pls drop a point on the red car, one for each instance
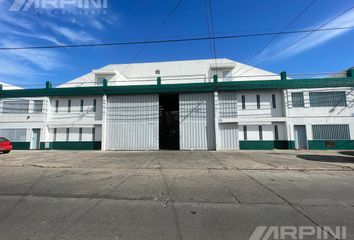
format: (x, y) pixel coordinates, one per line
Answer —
(5, 145)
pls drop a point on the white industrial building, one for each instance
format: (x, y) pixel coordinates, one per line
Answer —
(182, 105)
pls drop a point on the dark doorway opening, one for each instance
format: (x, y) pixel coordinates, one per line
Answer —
(169, 122)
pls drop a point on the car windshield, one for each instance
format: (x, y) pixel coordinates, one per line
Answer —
(2, 139)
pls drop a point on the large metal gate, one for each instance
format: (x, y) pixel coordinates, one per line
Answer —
(133, 122)
(197, 129)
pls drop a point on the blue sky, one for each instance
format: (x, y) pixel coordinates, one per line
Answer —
(126, 20)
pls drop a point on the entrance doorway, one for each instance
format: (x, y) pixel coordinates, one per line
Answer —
(169, 122)
(35, 141)
(300, 137)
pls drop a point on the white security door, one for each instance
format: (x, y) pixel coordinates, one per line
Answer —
(35, 141)
(133, 122)
(197, 129)
(300, 137)
(229, 136)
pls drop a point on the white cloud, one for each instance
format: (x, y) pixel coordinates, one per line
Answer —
(75, 36)
(25, 29)
(43, 59)
(314, 40)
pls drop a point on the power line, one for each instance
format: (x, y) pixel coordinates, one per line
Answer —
(276, 36)
(56, 38)
(208, 27)
(154, 34)
(174, 40)
(299, 40)
(210, 23)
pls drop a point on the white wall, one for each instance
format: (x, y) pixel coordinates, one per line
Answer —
(26, 121)
(266, 108)
(309, 116)
(268, 132)
(74, 134)
(75, 118)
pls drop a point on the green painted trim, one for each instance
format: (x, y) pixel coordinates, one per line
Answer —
(266, 145)
(181, 88)
(21, 145)
(338, 144)
(75, 145)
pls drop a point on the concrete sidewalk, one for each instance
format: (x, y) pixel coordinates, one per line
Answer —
(243, 160)
(172, 195)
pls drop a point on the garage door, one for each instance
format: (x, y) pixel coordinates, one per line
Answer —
(197, 121)
(133, 122)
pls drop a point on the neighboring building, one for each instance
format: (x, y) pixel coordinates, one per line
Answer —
(186, 105)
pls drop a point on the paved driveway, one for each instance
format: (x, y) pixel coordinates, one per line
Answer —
(172, 195)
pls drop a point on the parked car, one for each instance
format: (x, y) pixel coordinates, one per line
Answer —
(5, 145)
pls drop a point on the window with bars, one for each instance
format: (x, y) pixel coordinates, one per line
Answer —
(228, 105)
(14, 135)
(15, 106)
(38, 106)
(327, 99)
(297, 99)
(331, 132)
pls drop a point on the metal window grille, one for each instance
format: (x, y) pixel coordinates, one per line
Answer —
(331, 132)
(14, 135)
(327, 99)
(298, 99)
(228, 105)
(15, 106)
(38, 106)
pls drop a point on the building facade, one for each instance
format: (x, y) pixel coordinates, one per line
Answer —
(183, 105)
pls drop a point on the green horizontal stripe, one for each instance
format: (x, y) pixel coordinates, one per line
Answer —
(266, 145)
(331, 144)
(182, 88)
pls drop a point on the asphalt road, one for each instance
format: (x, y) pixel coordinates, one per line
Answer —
(172, 195)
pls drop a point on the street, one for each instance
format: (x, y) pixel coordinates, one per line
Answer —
(172, 195)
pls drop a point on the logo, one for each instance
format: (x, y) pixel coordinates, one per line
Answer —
(298, 233)
(69, 5)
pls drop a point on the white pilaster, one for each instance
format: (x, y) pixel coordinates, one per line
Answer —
(216, 121)
(104, 123)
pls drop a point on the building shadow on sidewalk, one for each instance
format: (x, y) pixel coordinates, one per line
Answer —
(329, 158)
(349, 153)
